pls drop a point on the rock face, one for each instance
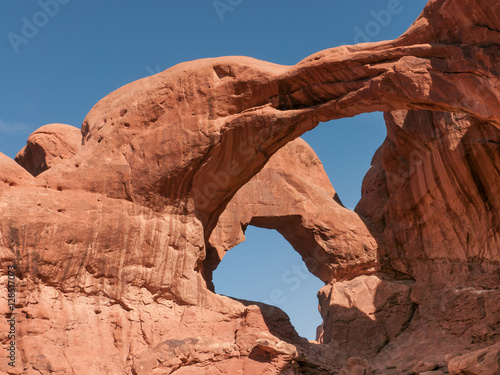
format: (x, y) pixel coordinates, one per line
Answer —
(12, 175)
(433, 194)
(113, 247)
(484, 361)
(47, 145)
(362, 315)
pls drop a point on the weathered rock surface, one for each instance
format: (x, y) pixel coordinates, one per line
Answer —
(432, 166)
(110, 246)
(47, 146)
(484, 361)
(11, 174)
(362, 315)
(354, 366)
(433, 193)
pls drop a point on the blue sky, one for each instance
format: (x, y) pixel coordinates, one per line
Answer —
(59, 57)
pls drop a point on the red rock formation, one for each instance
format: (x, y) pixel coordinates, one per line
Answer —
(47, 145)
(11, 173)
(293, 195)
(433, 194)
(110, 245)
(484, 361)
(362, 315)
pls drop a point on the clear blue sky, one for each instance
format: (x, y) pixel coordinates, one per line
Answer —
(58, 61)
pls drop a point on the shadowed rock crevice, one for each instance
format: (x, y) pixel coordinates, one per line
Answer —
(49, 145)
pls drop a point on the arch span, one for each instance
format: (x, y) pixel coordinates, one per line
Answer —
(293, 195)
(235, 112)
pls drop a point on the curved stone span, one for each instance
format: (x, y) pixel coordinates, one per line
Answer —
(293, 195)
(115, 236)
(247, 109)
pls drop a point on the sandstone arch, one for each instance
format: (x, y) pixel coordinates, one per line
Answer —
(293, 195)
(162, 157)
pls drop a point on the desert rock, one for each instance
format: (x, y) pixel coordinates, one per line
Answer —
(484, 361)
(47, 146)
(110, 244)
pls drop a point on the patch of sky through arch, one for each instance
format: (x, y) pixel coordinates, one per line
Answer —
(267, 269)
(346, 148)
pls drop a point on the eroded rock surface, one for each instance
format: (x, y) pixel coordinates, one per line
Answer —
(483, 361)
(433, 192)
(47, 146)
(362, 315)
(11, 174)
(110, 245)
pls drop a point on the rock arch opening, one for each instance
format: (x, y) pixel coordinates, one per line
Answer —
(293, 195)
(265, 268)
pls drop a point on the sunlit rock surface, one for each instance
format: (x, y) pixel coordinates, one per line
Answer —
(47, 145)
(110, 244)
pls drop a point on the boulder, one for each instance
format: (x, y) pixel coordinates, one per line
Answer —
(47, 146)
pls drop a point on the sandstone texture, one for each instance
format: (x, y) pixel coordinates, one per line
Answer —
(433, 194)
(361, 315)
(484, 361)
(113, 233)
(11, 174)
(47, 145)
